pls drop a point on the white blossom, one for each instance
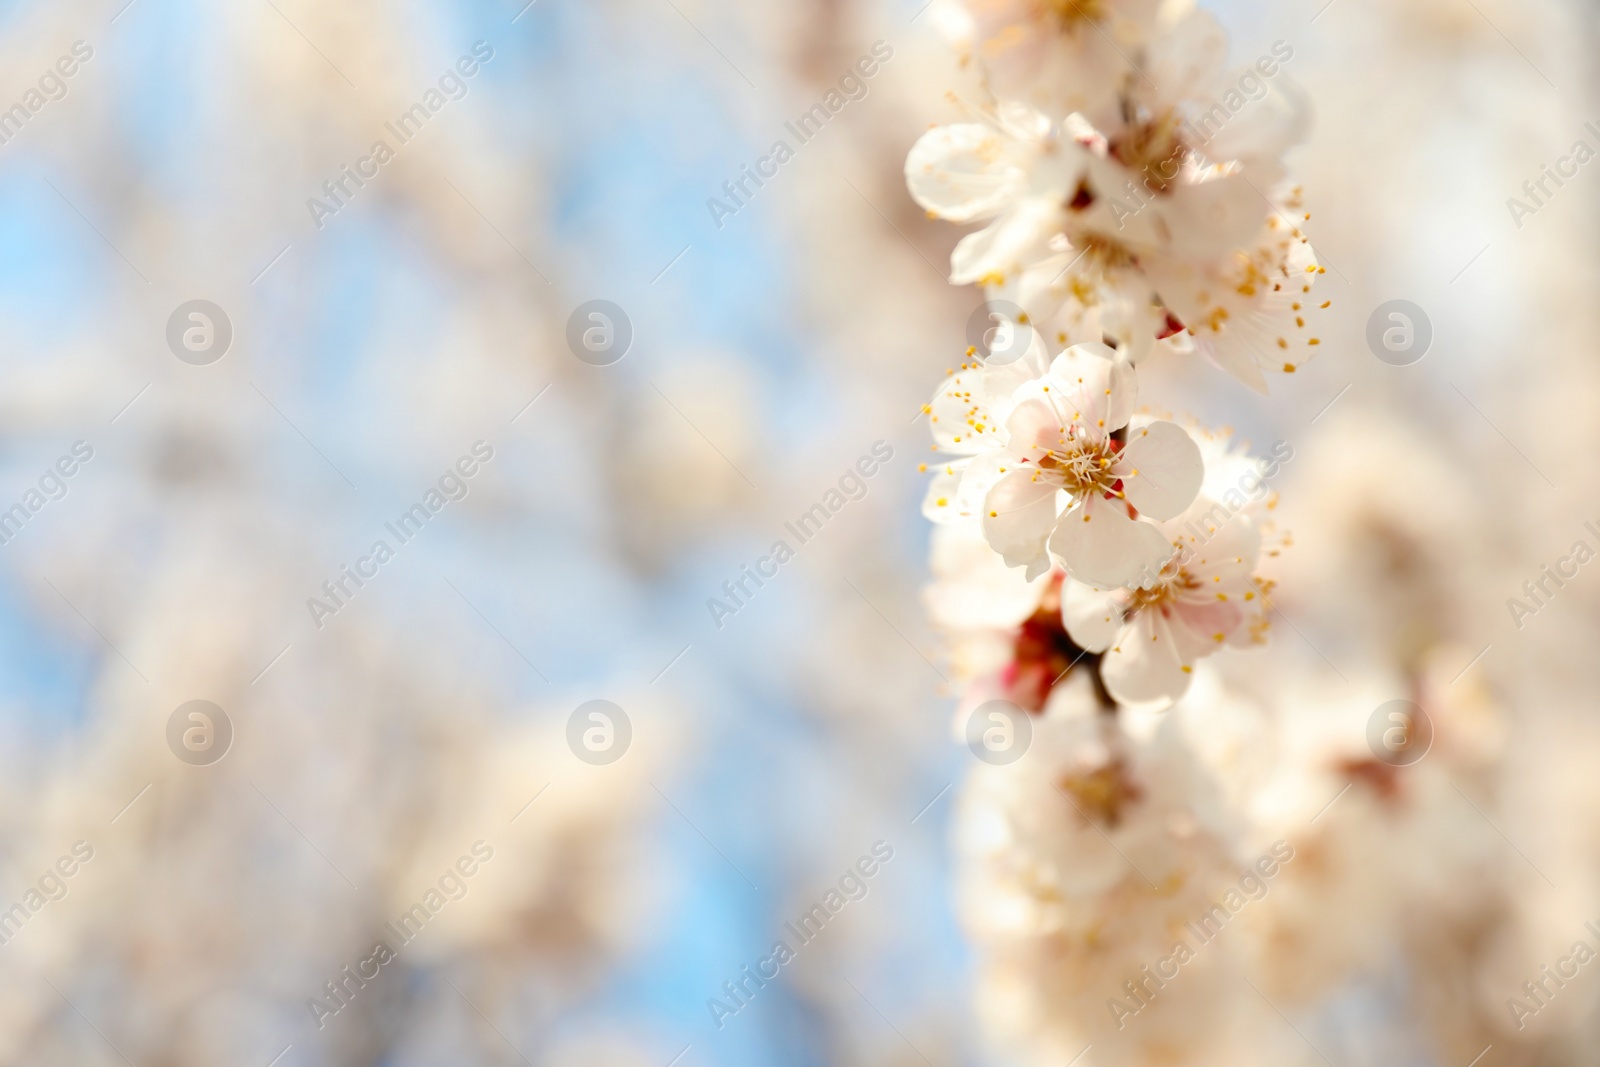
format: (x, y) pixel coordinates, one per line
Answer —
(1130, 233)
(1054, 480)
(1205, 597)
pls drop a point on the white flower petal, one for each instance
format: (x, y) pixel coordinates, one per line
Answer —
(1019, 237)
(1186, 62)
(1095, 387)
(1093, 617)
(1001, 380)
(1240, 360)
(965, 172)
(1161, 470)
(1262, 134)
(1038, 289)
(1058, 66)
(1034, 426)
(1146, 666)
(983, 472)
(1251, 310)
(1018, 514)
(959, 417)
(1201, 628)
(1100, 545)
(1208, 220)
(942, 502)
(1229, 555)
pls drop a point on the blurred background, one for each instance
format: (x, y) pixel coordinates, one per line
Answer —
(367, 340)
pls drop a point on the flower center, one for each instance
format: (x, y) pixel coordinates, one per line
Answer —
(1083, 465)
(1074, 13)
(1101, 252)
(1101, 794)
(1094, 255)
(1154, 151)
(1172, 581)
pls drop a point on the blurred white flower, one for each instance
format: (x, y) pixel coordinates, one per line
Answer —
(1128, 234)
(1060, 56)
(1189, 103)
(1081, 865)
(980, 603)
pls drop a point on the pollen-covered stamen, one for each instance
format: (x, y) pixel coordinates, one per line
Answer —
(1083, 464)
(1173, 581)
(1097, 255)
